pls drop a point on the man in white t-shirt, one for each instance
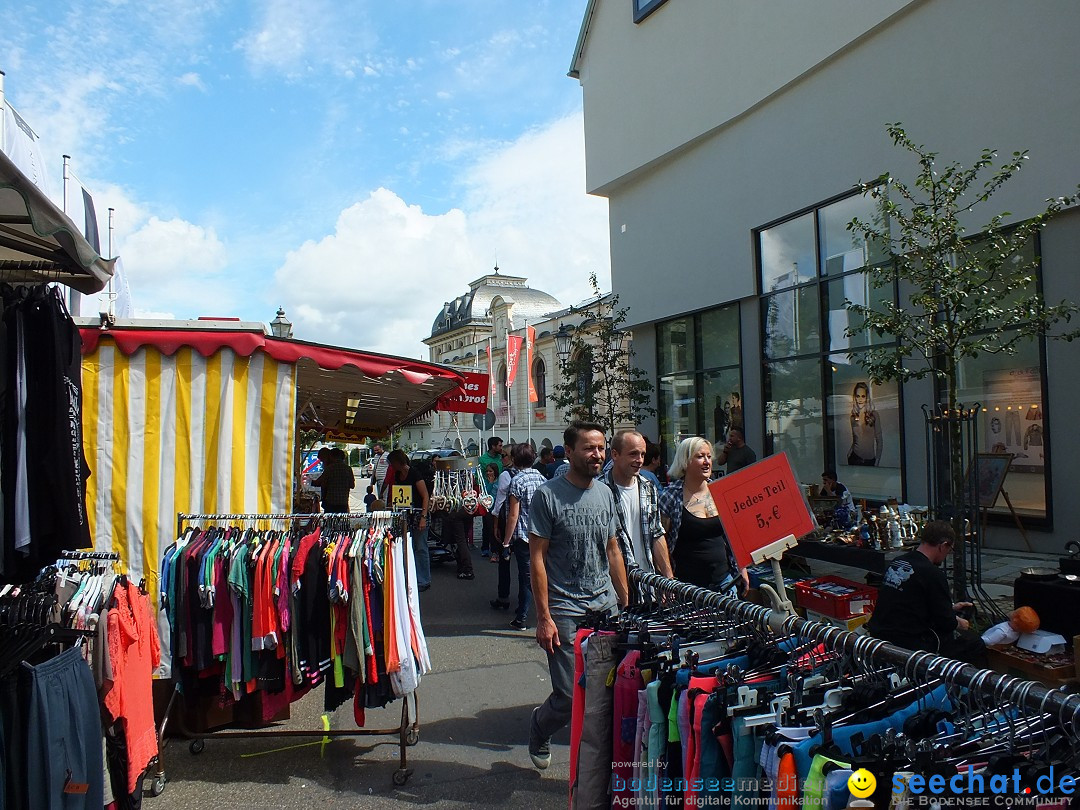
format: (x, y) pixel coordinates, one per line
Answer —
(640, 533)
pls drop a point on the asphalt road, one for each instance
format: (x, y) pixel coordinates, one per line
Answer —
(474, 713)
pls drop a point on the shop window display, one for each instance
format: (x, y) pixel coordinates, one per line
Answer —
(1012, 421)
(700, 390)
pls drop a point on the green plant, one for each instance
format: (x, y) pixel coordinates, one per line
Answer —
(598, 379)
(965, 295)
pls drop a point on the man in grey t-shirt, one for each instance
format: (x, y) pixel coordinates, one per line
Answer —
(576, 566)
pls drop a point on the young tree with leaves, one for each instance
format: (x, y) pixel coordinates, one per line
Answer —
(965, 295)
(599, 381)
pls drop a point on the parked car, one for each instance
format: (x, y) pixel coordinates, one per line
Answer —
(433, 453)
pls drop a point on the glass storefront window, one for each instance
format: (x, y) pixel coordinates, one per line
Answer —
(1008, 390)
(674, 346)
(700, 390)
(792, 323)
(722, 395)
(857, 289)
(719, 337)
(793, 415)
(788, 254)
(842, 250)
(678, 411)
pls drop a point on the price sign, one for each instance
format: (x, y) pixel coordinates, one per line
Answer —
(401, 496)
(761, 504)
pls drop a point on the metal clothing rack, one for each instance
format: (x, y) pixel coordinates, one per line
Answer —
(1027, 695)
(408, 729)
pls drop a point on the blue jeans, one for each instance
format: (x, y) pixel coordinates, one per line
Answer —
(422, 556)
(521, 555)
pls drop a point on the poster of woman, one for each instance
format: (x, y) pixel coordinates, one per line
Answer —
(867, 443)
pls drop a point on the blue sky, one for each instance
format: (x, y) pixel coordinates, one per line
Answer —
(355, 161)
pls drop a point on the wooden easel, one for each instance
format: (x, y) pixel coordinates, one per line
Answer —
(1015, 517)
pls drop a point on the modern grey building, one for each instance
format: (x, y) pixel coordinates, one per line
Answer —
(730, 138)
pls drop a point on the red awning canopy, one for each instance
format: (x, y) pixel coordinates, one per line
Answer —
(344, 391)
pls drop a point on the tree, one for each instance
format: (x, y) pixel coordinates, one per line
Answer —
(965, 296)
(598, 380)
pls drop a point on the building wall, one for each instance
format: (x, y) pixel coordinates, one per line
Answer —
(724, 57)
(689, 218)
(692, 168)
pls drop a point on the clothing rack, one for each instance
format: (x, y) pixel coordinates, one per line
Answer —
(919, 665)
(90, 555)
(408, 729)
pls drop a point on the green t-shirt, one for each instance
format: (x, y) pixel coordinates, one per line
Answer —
(488, 458)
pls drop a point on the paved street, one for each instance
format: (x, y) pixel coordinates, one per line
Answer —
(474, 712)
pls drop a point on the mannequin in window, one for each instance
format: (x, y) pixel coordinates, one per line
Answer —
(866, 439)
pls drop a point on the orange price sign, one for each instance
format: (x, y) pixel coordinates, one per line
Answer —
(760, 505)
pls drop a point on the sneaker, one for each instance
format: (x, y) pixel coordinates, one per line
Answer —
(519, 624)
(539, 748)
(499, 604)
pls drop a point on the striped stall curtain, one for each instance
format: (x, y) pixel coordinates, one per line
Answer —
(182, 433)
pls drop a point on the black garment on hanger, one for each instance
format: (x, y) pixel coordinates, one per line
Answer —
(55, 465)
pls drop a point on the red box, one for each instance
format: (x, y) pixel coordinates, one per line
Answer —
(820, 594)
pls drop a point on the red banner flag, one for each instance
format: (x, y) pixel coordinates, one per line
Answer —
(513, 357)
(530, 339)
(470, 397)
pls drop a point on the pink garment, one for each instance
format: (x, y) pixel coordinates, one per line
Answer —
(135, 652)
(223, 607)
(624, 712)
(577, 712)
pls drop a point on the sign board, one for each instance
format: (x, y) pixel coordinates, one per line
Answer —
(759, 505)
(485, 420)
(401, 496)
(470, 397)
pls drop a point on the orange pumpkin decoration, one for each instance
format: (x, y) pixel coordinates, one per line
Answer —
(1024, 619)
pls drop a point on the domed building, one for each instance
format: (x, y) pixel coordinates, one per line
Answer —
(477, 322)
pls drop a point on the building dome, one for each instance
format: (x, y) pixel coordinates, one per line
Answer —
(475, 305)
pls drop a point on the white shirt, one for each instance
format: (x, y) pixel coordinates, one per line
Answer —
(631, 509)
(378, 473)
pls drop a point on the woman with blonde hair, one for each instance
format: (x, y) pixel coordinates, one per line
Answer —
(866, 439)
(700, 552)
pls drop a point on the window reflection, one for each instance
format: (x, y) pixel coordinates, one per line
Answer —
(788, 254)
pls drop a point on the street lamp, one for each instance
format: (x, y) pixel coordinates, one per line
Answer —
(281, 326)
(616, 342)
(563, 340)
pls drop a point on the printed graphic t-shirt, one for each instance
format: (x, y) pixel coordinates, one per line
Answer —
(578, 524)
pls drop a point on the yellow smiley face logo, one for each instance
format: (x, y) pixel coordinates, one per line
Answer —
(861, 783)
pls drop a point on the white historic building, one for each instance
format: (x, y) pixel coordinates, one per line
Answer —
(476, 323)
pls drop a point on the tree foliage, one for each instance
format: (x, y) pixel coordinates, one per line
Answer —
(964, 296)
(961, 295)
(598, 380)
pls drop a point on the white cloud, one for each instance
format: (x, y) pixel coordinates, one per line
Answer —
(192, 80)
(379, 280)
(292, 38)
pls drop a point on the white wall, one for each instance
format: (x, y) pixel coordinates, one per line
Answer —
(1005, 84)
(723, 58)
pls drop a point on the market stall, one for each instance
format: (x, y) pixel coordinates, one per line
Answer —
(202, 417)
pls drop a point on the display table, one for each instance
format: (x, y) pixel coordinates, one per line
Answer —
(867, 559)
(1057, 601)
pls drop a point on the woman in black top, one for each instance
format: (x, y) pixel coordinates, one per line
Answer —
(702, 555)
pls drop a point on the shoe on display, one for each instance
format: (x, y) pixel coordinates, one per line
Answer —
(539, 748)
